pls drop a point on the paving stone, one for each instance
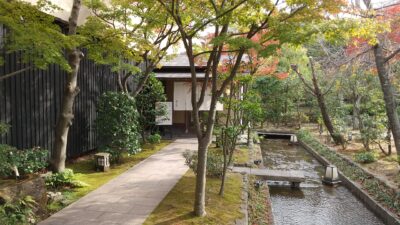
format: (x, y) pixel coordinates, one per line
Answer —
(129, 198)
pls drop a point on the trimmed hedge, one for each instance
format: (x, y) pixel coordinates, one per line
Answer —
(375, 187)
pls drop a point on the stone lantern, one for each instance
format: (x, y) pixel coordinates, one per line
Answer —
(331, 175)
(102, 161)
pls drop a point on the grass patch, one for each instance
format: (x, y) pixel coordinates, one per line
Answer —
(241, 155)
(85, 172)
(260, 212)
(177, 207)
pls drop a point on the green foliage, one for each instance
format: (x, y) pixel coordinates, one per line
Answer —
(32, 160)
(146, 100)
(115, 154)
(19, 212)
(63, 179)
(154, 139)
(376, 188)
(117, 123)
(27, 161)
(8, 159)
(35, 33)
(215, 162)
(4, 128)
(365, 157)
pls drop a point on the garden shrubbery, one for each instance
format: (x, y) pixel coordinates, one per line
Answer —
(19, 212)
(62, 180)
(365, 157)
(154, 139)
(117, 124)
(215, 162)
(26, 161)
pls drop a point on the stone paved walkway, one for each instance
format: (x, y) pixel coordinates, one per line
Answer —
(129, 198)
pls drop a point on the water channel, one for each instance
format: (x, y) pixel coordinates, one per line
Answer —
(314, 203)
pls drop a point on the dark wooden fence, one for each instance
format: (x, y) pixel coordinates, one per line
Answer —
(30, 102)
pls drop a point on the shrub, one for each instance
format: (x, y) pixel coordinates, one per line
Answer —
(154, 139)
(19, 212)
(4, 128)
(33, 160)
(146, 100)
(63, 179)
(365, 157)
(117, 122)
(27, 161)
(8, 159)
(215, 162)
(115, 155)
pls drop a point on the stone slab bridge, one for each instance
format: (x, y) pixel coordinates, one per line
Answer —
(292, 176)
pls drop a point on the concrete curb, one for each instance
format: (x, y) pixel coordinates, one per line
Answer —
(386, 216)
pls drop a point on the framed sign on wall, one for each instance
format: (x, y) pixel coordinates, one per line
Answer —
(167, 118)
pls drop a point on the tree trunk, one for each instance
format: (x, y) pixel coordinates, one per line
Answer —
(338, 138)
(356, 113)
(388, 96)
(200, 192)
(389, 139)
(225, 167)
(66, 116)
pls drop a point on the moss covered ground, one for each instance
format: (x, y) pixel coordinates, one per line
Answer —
(177, 206)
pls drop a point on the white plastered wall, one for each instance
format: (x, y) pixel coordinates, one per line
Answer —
(182, 97)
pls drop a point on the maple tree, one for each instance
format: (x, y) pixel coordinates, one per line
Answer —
(377, 33)
(233, 24)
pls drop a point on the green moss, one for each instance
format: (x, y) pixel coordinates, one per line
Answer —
(177, 207)
(241, 155)
(259, 204)
(85, 172)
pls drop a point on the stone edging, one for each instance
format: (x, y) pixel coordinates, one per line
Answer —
(386, 216)
(256, 151)
(245, 202)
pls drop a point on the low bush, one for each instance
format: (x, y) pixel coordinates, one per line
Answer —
(154, 139)
(27, 161)
(115, 155)
(63, 180)
(215, 162)
(365, 157)
(8, 160)
(19, 212)
(4, 128)
(117, 122)
(33, 160)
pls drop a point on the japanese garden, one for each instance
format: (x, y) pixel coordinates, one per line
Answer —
(258, 112)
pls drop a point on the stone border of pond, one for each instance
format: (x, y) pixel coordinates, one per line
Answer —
(256, 154)
(384, 214)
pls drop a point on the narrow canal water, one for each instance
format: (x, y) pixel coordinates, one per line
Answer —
(314, 203)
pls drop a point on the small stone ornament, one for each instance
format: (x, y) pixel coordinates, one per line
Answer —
(102, 161)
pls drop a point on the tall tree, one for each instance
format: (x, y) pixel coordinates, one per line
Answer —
(42, 42)
(383, 26)
(66, 115)
(319, 94)
(234, 23)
